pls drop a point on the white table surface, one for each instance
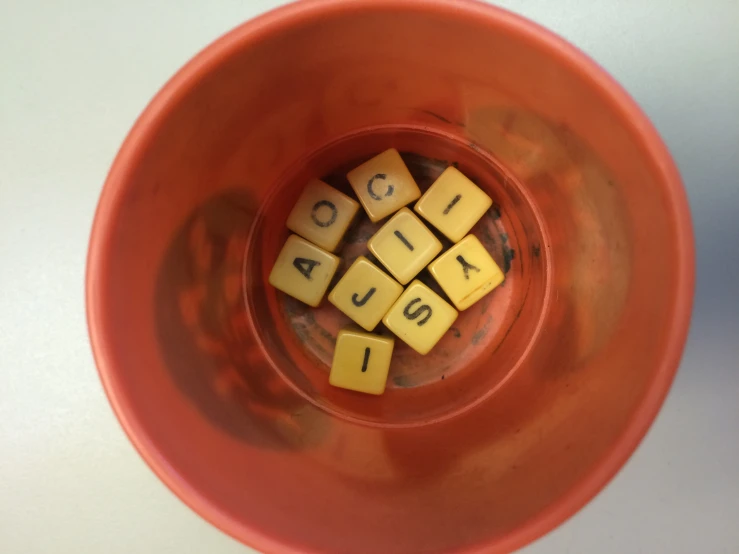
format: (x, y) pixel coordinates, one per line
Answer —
(75, 74)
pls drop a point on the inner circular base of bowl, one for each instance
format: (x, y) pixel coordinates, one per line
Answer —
(487, 341)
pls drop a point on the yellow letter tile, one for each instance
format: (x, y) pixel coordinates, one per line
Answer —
(420, 317)
(361, 361)
(404, 245)
(466, 272)
(365, 293)
(303, 270)
(383, 184)
(322, 215)
(453, 204)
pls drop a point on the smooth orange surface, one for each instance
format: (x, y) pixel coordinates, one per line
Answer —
(536, 396)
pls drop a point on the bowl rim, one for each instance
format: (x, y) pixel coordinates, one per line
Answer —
(274, 22)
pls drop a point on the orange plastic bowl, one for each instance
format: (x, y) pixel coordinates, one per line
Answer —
(523, 411)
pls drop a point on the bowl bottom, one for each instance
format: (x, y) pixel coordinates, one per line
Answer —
(487, 341)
